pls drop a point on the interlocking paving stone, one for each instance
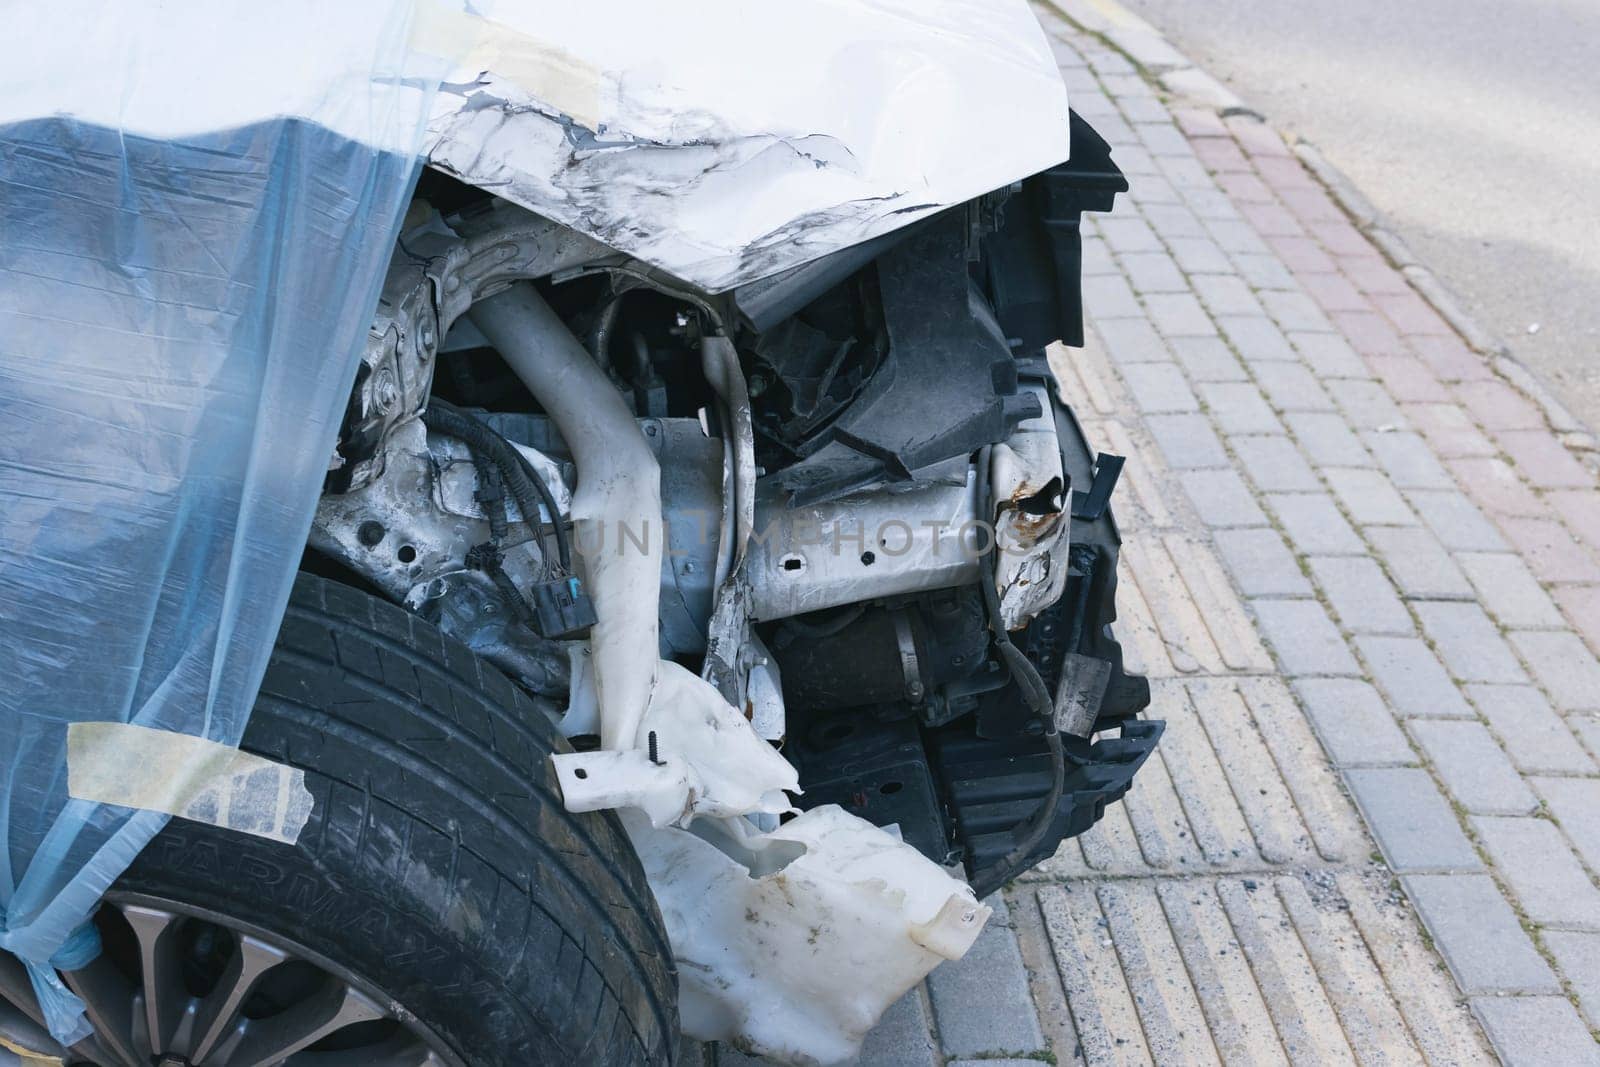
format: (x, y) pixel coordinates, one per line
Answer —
(1567, 670)
(1187, 441)
(1497, 406)
(1469, 642)
(1110, 297)
(1239, 408)
(1456, 521)
(1154, 272)
(1208, 359)
(1261, 270)
(1179, 315)
(1314, 525)
(1543, 872)
(1412, 677)
(1408, 459)
(1573, 803)
(1227, 294)
(1537, 1031)
(1305, 639)
(1274, 464)
(1419, 563)
(1479, 936)
(1450, 430)
(1257, 339)
(1543, 461)
(1171, 219)
(1291, 387)
(1327, 440)
(1408, 379)
(1474, 769)
(1159, 388)
(1132, 340)
(1509, 590)
(1329, 355)
(1537, 739)
(901, 1038)
(1366, 404)
(1578, 956)
(1581, 603)
(1221, 498)
(983, 1005)
(1128, 234)
(1369, 497)
(1353, 722)
(1496, 487)
(1581, 512)
(1411, 819)
(1361, 595)
(1262, 565)
(1551, 550)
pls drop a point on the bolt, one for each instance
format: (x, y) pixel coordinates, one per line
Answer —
(652, 741)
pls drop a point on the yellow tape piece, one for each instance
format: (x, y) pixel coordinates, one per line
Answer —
(546, 71)
(28, 1057)
(190, 777)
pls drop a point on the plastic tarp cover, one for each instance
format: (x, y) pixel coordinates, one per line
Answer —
(198, 202)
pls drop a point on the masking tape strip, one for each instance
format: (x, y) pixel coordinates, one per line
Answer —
(27, 1057)
(190, 777)
(547, 72)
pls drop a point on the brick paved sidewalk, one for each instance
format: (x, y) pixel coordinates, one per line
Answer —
(1363, 574)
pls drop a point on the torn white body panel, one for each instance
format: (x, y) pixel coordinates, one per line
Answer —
(1031, 523)
(723, 141)
(791, 944)
(706, 760)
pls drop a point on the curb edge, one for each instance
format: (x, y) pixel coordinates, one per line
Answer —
(1149, 50)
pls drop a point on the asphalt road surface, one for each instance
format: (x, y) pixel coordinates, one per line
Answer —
(1474, 125)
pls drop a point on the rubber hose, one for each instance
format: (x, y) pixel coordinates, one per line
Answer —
(520, 476)
(1037, 695)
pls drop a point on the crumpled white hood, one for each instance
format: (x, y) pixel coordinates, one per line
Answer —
(724, 140)
(719, 140)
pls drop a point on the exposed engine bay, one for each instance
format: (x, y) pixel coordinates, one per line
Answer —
(827, 541)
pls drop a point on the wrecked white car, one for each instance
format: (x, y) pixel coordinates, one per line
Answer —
(700, 600)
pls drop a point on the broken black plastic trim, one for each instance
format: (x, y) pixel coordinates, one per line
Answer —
(1034, 260)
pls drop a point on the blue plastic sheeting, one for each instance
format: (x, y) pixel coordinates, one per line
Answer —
(180, 322)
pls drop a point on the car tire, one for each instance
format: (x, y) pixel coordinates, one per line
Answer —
(439, 867)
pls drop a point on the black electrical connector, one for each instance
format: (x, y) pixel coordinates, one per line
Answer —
(562, 611)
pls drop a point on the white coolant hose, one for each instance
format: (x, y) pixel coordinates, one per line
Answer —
(616, 508)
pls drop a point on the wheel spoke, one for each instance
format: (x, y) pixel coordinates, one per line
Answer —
(266, 1041)
(108, 1002)
(165, 998)
(218, 1013)
(137, 997)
